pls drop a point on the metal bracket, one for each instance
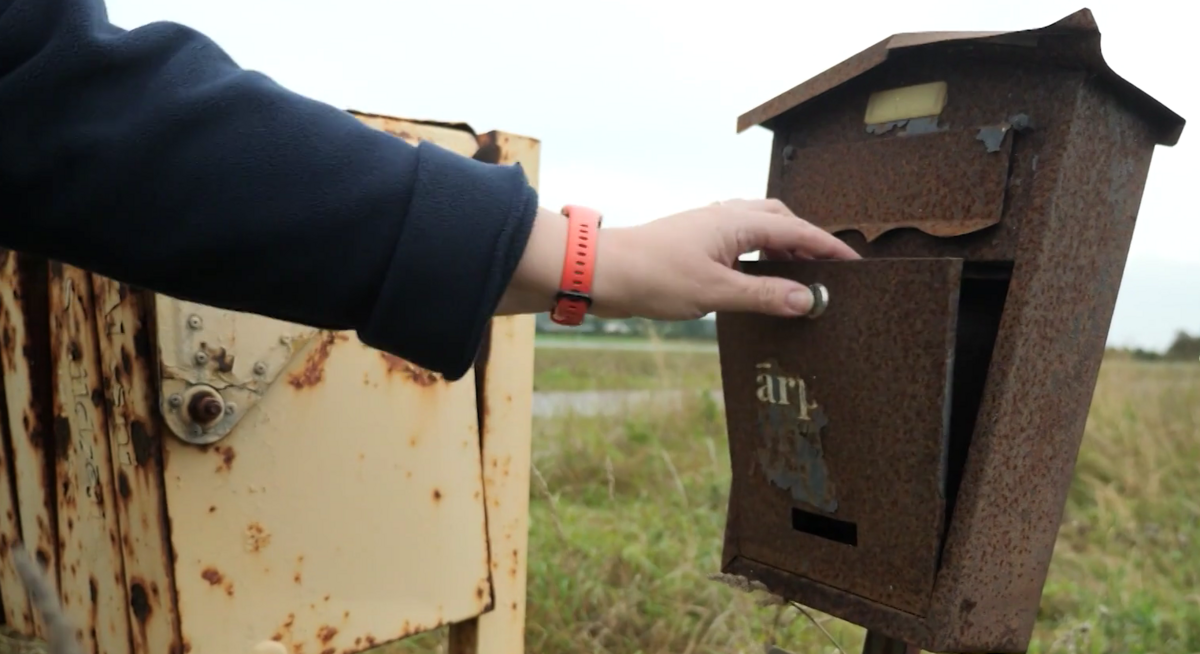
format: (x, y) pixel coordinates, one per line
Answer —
(215, 365)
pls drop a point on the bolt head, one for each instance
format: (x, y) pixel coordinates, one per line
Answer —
(285, 340)
(195, 322)
(175, 400)
(201, 358)
(260, 368)
(196, 431)
(230, 408)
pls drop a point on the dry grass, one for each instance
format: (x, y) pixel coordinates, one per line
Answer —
(627, 530)
(586, 370)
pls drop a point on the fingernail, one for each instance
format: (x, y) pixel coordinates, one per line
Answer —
(800, 300)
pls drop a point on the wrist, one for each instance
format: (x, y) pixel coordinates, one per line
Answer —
(536, 282)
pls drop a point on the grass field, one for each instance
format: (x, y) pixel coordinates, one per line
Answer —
(565, 369)
(627, 516)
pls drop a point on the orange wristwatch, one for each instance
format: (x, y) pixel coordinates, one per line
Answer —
(574, 297)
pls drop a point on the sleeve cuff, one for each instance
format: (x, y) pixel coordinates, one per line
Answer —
(465, 231)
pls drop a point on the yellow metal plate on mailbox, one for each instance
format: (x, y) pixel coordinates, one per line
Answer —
(919, 101)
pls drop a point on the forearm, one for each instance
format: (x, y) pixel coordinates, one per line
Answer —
(151, 157)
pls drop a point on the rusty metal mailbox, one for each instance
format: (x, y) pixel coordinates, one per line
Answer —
(902, 460)
(202, 480)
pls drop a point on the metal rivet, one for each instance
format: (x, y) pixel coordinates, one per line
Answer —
(175, 400)
(201, 358)
(230, 408)
(195, 322)
(820, 300)
(196, 431)
(285, 340)
(260, 368)
(789, 152)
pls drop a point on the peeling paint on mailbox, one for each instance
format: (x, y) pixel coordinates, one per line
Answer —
(790, 424)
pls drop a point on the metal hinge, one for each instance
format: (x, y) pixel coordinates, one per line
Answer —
(215, 365)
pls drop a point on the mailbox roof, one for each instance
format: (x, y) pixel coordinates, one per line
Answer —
(1073, 41)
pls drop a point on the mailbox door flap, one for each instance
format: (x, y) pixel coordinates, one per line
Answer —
(838, 426)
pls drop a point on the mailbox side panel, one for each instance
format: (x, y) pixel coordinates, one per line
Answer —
(1042, 376)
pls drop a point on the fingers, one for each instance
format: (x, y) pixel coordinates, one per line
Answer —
(768, 205)
(760, 294)
(757, 230)
(769, 225)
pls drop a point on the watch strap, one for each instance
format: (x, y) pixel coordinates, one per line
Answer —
(574, 296)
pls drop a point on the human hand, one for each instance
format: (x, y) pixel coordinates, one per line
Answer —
(680, 267)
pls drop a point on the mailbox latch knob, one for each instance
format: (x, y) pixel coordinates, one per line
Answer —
(820, 300)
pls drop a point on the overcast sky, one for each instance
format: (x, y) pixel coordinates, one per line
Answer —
(635, 102)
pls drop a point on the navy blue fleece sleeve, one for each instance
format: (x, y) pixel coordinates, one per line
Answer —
(149, 156)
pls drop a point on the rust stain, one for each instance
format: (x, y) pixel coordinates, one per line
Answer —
(212, 576)
(124, 491)
(227, 455)
(222, 359)
(313, 370)
(139, 601)
(143, 444)
(257, 537)
(410, 371)
(437, 495)
(326, 634)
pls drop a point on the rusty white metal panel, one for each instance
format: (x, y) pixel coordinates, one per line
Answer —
(505, 406)
(24, 299)
(339, 505)
(17, 612)
(16, 605)
(136, 434)
(344, 510)
(90, 566)
(456, 137)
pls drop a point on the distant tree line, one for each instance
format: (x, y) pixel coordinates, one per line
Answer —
(1185, 347)
(634, 328)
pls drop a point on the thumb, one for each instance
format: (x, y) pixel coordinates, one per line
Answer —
(760, 294)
